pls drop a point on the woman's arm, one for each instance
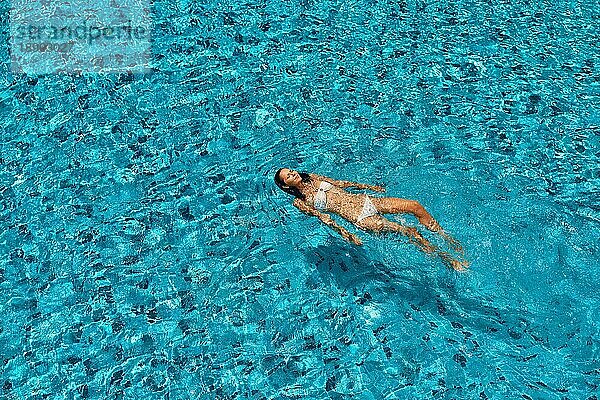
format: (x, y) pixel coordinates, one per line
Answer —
(346, 184)
(327, 220)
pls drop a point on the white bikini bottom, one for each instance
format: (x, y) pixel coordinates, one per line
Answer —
(368, 209)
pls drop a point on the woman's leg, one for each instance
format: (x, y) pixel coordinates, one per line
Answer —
(395, 205)
(380, 224)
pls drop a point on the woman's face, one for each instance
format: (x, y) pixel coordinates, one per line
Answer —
(290, 177)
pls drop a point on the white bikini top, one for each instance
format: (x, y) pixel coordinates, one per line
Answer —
(321, 196)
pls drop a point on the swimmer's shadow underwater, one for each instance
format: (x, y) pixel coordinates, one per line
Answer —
(351, 271)
(347, 264)
(340, 265)
(337, 253)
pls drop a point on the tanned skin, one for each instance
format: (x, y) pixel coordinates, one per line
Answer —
(349, 205)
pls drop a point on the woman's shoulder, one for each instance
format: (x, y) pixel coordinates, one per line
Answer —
(317, 178)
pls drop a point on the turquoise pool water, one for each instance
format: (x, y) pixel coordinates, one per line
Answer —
(146, 252)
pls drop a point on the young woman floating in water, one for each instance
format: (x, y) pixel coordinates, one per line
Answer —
(315, 194)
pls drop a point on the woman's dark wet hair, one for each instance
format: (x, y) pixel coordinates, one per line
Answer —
(291, 190)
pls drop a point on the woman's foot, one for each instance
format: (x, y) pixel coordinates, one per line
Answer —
(460, 266)
(454, 263)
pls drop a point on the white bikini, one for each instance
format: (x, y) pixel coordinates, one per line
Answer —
(368, 209)
(321, 196)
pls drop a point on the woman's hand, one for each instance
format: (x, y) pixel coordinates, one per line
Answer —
(327, 220)
(352, 238)
(356, 240)
(376, 188)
